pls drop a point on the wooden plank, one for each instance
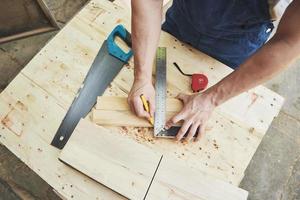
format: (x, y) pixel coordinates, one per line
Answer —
(121, 164)
(120, 104)
(115, 111)
(174, 181)
(26, 34)
(122, 118)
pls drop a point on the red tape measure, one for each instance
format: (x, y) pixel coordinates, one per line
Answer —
(199, 81)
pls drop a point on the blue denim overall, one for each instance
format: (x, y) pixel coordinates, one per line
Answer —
(228, 30)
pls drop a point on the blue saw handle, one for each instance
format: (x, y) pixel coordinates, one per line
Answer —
(114, 49)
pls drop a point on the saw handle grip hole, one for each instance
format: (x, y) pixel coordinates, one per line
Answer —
(122, 44)
(119, 42)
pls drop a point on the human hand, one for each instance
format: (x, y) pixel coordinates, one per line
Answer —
(142, 87)
(195, 113)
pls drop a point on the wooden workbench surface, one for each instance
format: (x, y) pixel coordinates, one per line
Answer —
(34, 104)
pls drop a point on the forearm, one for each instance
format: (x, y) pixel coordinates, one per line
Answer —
(276, 55)
(146, 25)
(262, 66)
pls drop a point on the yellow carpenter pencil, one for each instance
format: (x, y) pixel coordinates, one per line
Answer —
(146, 107)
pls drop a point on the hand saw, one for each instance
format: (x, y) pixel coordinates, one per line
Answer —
(160, 97)
(107, 64)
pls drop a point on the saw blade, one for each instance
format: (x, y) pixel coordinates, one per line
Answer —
(104, 68)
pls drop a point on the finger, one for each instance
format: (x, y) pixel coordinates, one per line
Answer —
(186, 125)
(132, 108)
(174, 120)
(130, 105)
(201, 132)
(139, 108)
(192, 132)
(182, 97)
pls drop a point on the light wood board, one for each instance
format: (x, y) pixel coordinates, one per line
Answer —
(128, 167)
(174, 181)
(115, 111)
(119, 163)
(47, 86)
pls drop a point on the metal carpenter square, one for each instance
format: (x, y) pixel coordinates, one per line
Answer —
(161, 90)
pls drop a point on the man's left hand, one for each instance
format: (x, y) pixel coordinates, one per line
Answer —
(195, 113)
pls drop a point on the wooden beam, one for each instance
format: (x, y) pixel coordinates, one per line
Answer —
(120, 103)
(27, 33)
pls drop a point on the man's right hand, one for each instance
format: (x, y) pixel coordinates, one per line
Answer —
(142, 87)
(146, 15)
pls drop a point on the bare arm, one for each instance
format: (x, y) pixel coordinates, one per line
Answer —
(276, 55)
(146, 26)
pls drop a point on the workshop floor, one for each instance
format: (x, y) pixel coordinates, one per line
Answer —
(273, 174)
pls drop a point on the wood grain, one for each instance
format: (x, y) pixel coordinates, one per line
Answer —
(115, 111)
(42, 117)
(174, 181)
(117, 162)
(128, 167)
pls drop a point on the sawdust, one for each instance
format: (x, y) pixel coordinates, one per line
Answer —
(139, 134)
